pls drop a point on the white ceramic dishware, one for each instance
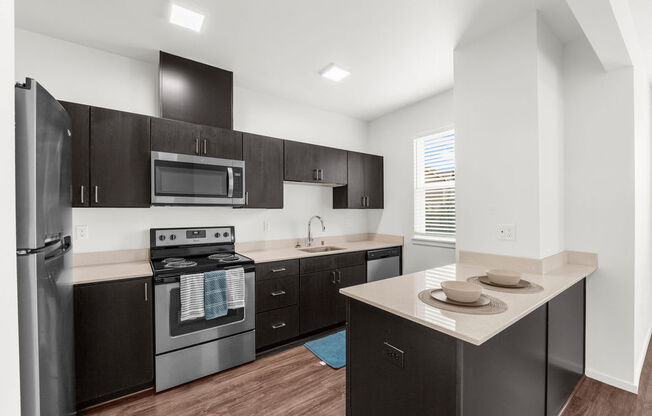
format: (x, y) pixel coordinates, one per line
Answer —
(504, 277)
(461, 291)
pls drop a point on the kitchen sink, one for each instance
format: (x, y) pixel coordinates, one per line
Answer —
(320, 249)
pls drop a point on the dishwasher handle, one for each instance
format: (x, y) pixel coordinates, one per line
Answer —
(383, 253)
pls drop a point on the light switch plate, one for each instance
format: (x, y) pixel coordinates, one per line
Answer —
(82, 232)
(506, 232)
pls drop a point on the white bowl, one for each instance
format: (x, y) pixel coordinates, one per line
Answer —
(461, 291)
(504, 277)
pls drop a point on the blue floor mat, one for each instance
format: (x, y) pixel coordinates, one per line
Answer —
(330, 349)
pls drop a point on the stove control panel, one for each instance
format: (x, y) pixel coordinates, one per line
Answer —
(162, 237)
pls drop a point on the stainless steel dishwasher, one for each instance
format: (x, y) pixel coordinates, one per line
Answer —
(383, 263)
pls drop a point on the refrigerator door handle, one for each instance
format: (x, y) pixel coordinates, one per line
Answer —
(66, 246)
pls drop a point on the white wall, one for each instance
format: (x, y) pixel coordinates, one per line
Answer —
(77, 73)
(642, 218)
(599, 205)
(393, 137)
(496, 121)
(551, 140)
(10, 384)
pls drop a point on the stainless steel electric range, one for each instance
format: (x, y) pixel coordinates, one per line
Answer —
(187, 350)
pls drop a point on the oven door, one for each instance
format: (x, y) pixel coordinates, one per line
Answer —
(196, 180)
(172, 334)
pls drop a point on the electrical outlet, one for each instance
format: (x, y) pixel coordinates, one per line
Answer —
(82, 232)
(393, 354)
(266, 226)
(506, 232)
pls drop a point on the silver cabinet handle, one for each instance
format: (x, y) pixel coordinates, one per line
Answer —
(145, 291)
(362, 201)
(247, 198)
(366, 201)
(204, 146)
(197, 146)
(339, 276)
(82, 194)
(321, 174)
(282, 269)
(278, 293)
(97, 191)
(229, 171)
(315, 174)
(279, 325)
(333, 277)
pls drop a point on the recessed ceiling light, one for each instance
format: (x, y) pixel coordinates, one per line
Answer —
(186, 18)
(334, 73)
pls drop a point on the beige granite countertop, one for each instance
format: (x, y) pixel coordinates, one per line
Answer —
(110, 265)
(398, 295)
(276, 254)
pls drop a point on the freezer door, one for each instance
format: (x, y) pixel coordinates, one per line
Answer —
(45, 302)
(43, 167)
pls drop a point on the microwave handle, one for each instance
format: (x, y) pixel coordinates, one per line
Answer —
(230, 173)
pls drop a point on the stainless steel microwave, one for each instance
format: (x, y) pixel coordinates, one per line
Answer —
(196, 180)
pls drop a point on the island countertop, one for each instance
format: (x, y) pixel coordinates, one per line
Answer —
(399, 296)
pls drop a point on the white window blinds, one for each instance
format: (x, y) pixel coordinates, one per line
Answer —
(434, 185)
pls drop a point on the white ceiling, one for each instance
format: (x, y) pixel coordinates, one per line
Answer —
(398, 51)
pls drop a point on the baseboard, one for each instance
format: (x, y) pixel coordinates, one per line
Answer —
(641, 360)
(612, 381)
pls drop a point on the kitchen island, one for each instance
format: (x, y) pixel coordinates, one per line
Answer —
(406, 357)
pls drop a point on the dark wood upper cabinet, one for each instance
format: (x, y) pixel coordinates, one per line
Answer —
(80, 128)
(222, 143)
(114, 353)
(317, 164)
(364, 188)
(119, 159)
(175, 136)
(263, 157)
(195, 92)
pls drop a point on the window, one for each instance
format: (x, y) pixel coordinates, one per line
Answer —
(434, 188)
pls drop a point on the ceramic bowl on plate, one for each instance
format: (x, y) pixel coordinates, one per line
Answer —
(504, 277)
(461, 291)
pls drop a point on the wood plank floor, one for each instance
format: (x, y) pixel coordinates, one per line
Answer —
(598, 399)
(292, 382)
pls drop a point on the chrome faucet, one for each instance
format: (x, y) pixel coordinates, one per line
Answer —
(323, 228)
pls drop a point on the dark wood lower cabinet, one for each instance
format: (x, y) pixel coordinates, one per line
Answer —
(114, 347)
(396, 366)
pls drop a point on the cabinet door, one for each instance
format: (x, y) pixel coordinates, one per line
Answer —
(175, 137)
(332, 163)
(317, 295)
(310, 163)
(114, 352)
(263, 157)
(373, 181)
(347, 276)
(120, 159)
(222, 143)
(80, 127)
(301, 162)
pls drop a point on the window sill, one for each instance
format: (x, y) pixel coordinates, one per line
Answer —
(434, 241)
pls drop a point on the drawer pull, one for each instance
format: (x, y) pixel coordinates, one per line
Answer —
(278, 293)
(282, 269)
(277, 326)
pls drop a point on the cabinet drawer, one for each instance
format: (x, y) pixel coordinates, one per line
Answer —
(277, 269)
(316, 264)
(276, 326)
(276, 293)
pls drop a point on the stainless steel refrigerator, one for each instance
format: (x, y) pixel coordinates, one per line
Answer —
(44, 258)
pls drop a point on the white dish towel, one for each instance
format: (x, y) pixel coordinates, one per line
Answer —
(191, 294)
(235, 288)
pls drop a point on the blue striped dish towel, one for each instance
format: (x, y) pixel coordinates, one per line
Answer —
(215, 294)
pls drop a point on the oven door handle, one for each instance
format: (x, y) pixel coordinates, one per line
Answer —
(230, 174)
